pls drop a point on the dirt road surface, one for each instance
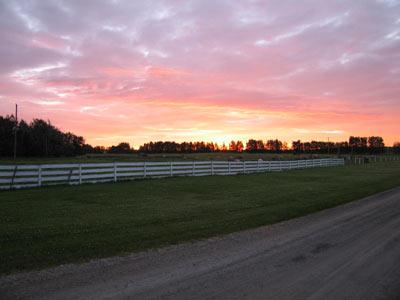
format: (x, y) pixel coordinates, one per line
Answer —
(348, 252)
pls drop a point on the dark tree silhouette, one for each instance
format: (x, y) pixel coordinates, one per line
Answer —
(274, 145)
(251, 145)
(41, 138)
(121, 148)
(375, 144)
(396, 147)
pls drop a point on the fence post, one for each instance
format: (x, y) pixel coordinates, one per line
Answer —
(75, 173)
(115, 171)
(80, 173)
(40, 176)
(13, 177)
(70, 175)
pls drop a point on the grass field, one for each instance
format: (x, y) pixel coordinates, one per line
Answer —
(101, 158)
(55, 225)
(93, 158)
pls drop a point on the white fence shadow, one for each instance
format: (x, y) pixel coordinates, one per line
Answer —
(25, 176)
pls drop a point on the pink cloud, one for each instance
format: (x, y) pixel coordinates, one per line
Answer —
(216, 69)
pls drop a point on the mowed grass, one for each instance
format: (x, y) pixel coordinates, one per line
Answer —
(103, 158)
(56, 225)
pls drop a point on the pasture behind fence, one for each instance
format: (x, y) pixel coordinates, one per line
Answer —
(363, 159)
(25, 176)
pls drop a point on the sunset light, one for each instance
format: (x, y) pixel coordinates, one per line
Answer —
(200, 149)
(137, 71)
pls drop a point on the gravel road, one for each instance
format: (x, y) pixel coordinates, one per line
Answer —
(348, 252)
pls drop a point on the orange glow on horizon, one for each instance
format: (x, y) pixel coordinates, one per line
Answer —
(139, 72)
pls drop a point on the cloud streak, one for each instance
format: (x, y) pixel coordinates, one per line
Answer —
(145, 70)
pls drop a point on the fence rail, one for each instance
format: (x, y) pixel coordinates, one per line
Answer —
(25, 176)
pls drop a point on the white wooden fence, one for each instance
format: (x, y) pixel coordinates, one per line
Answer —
(25, 176)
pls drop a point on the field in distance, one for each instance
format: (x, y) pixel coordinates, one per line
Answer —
(103, 158)
(61, 224)
(100, 158)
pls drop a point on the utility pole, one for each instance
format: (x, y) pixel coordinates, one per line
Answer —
(15, 131)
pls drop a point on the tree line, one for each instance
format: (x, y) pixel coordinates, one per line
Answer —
(234, 146)
(355, 145)
(41, 138)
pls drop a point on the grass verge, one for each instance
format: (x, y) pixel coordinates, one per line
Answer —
(55, 225)
(102, 158)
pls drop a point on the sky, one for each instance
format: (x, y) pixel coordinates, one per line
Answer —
(140, 71)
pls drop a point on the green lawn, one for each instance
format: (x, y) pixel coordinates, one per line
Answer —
(54, 225)
(93, 158)
(100, 158)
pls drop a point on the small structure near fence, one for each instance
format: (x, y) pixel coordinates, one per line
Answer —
(25, 176)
